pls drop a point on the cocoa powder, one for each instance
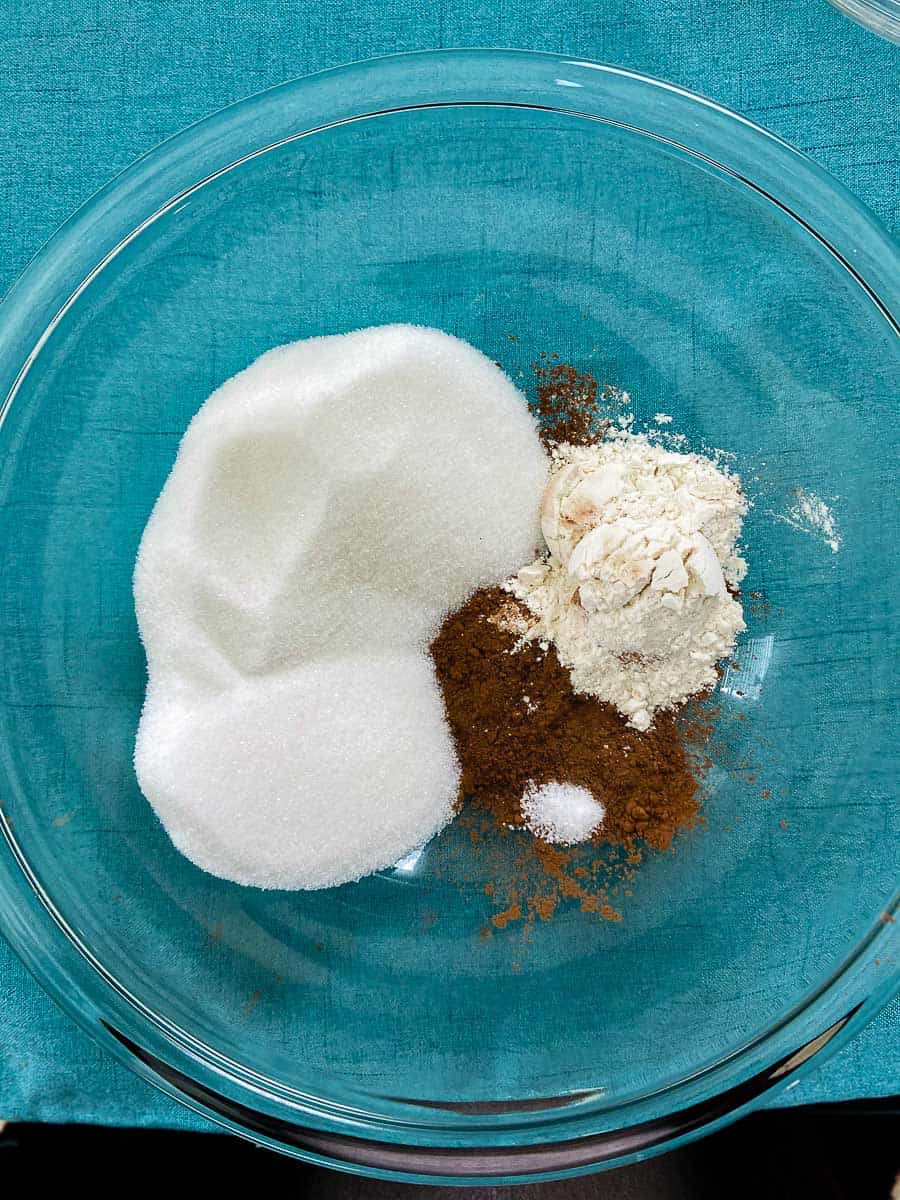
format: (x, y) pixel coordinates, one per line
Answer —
(571, 406)
(566, 401)
(516, 720)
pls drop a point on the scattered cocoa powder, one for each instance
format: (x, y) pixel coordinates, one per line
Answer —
(571, 405)
(566, 401)
(515, 720)
(502, 919)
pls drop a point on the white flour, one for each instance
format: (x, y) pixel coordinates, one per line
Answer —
(633, 592)
(813, 515)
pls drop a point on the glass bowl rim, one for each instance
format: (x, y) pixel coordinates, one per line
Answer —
(171, 1057)
(878, 16)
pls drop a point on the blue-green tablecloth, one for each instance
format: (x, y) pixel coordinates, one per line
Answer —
(87, 86)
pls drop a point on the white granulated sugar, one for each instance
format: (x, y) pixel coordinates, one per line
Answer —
(561, 813)
(322, 773)
(662, 418)
(334, 500)
(633, 593)
(340, 490)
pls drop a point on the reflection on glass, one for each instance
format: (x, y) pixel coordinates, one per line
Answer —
(745, 680)
(408, 863)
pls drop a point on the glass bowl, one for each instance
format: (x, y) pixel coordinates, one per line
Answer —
(881, 16)
(678, 252)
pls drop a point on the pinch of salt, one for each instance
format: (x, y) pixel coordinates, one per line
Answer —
(561, 812)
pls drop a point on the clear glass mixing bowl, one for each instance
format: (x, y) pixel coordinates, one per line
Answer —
(881, 16)
(679, 252)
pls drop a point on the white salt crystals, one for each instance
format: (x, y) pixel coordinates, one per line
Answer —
(328, 506)
(561, 812)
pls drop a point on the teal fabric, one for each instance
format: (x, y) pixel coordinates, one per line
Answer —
(86, 87)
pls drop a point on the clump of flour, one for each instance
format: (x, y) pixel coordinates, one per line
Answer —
(634, 592)
(328, 506)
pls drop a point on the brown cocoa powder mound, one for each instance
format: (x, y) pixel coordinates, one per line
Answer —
(516, 720)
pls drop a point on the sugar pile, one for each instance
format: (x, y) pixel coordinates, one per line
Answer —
(634, 592)
(561, 813)
(298, 778)
(328, 506)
